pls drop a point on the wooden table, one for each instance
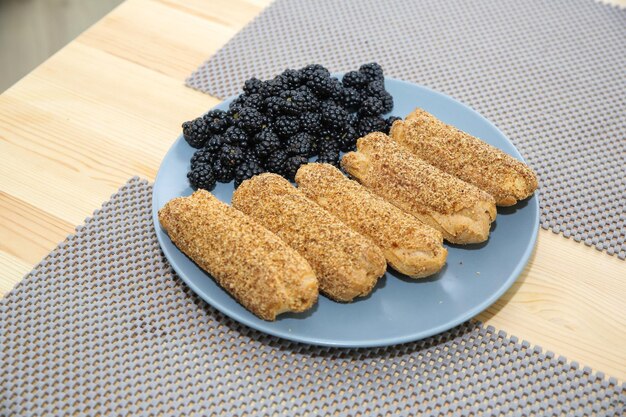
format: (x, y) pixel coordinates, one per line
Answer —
(110, 104)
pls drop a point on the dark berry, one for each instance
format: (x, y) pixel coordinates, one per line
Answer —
(266, 143)
(347, 139)
(202, 157)
(247, 170)
(250, 120)
(371, 106)
(389, 122)
(328, 143)
(217, 121)
(276, 162)
(292, 102)
(236, 136)
(293, 78)
(202, 177)
(253, 86)
(293, 164)
(299, 144)
(250, 155)
(333, 116)
(311, 122)
(320, 84)
(370, 124)
(310, 70)
(286, 126)
(222, 172)
(329, 156)
(196, 132)
(337, 92)
(372, 71)
(353, 119)
(278, 85)
(355, 79)
(236, 105)
(351, 99)
(256, 101)
(214, 144)
(273, 106)
(387, 102)
(375, 89)
(231, 155)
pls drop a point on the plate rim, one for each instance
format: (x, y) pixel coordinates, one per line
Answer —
(367, 342)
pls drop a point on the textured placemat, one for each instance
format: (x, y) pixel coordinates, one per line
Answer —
(550, 73)
(103, 327)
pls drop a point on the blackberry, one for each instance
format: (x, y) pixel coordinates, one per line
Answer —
(276, 162)
(237, 104)
(372, 71)
(299, 144)
(311, 122)
(371, 106)
(351, 98)
(293, 164)
(246, 170)
(217, 121)
(278, 85)
(253, 86)
(389, 122)
(330, 156)
(311, 103)
(202, 157)
(370, 124)
(202, 177)
(347, 139)
(266, 143)
(375, 89)
(256, 101)
(333, 116)
(250, 120)
(214, 144)
(250, 155)
(222, 172)
(231, 155)
(320, 84)
(293, 78)
(355, 79)
(308, 71)
(337, 92)
(273, 106)
(236, 136)
(353, 119)
(286, 126)
(196, 132)
(328, 144)
(387, 102)
(292, 102)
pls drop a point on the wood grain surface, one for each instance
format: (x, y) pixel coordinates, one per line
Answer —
(109, 105)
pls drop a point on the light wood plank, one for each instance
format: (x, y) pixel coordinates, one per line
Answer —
(12, 270)
(571, 300)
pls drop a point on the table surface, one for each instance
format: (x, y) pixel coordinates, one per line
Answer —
(109, 105)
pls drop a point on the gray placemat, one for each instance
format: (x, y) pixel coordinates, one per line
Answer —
(102, 326)
(550, 73)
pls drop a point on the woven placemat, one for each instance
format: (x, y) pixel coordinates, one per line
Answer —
(103, 327)
(550, 73)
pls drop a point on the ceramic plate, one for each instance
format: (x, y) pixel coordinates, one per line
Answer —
(399, 309)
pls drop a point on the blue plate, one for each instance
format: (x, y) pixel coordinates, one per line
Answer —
(399, 309)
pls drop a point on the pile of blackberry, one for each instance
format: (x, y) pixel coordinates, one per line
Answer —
(277, 125)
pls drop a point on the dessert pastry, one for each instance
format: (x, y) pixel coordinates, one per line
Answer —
(255, 266)
(346, 263)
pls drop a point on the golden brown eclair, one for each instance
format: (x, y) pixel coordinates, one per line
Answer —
(466, 157)
(254, 265)
(410, 246)
(346, 263)
(460, 211)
